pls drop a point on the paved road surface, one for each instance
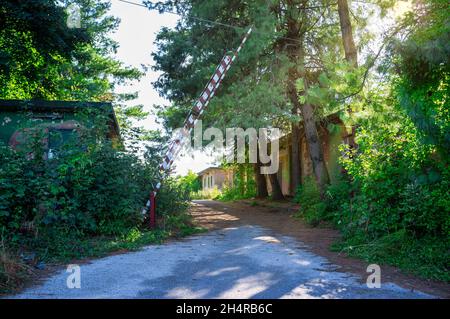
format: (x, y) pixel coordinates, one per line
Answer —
(246, 261)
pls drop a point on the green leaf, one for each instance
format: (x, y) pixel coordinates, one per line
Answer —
(300, 85)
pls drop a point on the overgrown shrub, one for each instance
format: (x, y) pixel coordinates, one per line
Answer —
(94, 190)
(243, 185)
(312, 208)
(394, 205)
(400, 184)
(87, 193)
(211, 193)
(189, 184)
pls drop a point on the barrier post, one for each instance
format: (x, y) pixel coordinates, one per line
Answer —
(152, 210)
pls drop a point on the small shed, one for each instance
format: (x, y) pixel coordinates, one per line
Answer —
(215, 177)
(58, 121)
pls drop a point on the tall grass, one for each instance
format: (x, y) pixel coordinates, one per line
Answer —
(13, 271)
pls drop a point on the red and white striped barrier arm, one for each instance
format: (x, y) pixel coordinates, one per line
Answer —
(199, 107)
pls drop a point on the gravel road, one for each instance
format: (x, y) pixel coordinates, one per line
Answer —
(246, 261)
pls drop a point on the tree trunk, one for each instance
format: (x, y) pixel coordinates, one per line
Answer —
(315, 147)
(241, 172)
(351, 55)
(261, 185)
(277, 194)
(312, 138)
(296, 174)
(294, 52)
(296, 57)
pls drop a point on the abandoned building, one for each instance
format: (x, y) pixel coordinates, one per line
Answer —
(57, 122)
(332, 132)
(215, 177)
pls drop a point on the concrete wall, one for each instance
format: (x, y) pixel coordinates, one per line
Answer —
(331, 139)
(216, 177)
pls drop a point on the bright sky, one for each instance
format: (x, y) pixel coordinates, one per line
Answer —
(402, 7)
(136, 35)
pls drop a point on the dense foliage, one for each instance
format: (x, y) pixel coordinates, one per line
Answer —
(42, 57)
(86, 201)
(393, 205)
(90, 190)
(243, 185)
(189, 183)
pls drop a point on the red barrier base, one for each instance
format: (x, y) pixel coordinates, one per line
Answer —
(152, 210)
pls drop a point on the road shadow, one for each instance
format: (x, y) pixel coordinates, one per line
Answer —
(250, 262)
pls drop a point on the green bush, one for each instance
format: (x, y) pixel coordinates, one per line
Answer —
(312, 208)
(190, 183)
(94, 190)
(87, 193)
(399, 185)
(84, 202)
(243, 186)
(212, 193)
(393, 206)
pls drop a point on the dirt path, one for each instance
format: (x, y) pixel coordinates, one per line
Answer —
(249, 252)
(278, 217)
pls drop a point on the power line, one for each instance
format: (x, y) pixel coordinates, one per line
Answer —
(216, 22)
(188, 16)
